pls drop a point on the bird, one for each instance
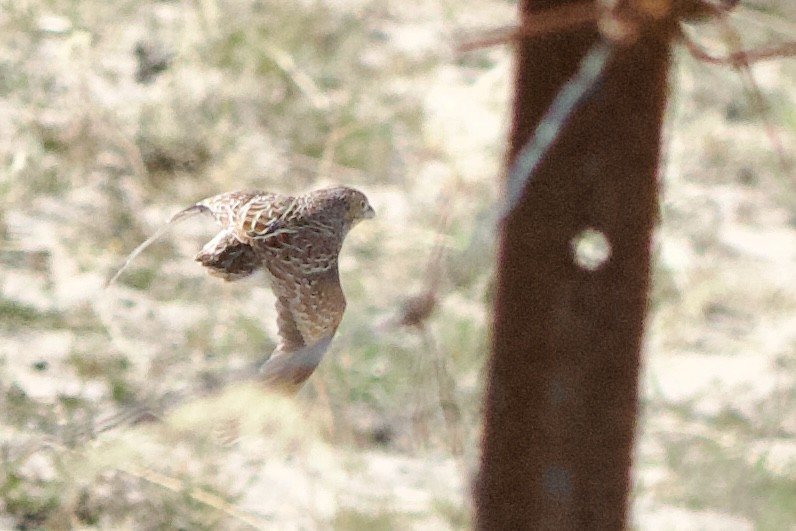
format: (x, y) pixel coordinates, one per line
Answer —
(296, 241)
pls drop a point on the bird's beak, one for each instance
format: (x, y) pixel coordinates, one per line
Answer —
(369, 213)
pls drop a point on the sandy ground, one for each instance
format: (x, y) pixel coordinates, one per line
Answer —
(717, 441)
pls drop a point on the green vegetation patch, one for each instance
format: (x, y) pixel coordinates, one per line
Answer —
(14, 314)
(725, 479)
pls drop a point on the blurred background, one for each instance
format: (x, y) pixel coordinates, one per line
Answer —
(115, 115)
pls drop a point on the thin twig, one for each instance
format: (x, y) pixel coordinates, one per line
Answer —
(197, 494)
(741, 62)
(741, 57)
(304, 82)
(539, 23)
(451, 413)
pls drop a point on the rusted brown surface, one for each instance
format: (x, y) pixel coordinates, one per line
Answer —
(563, 378)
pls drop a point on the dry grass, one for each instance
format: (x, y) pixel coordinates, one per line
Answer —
(99, 148)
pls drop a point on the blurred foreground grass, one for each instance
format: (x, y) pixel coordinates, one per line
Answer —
(119, 114)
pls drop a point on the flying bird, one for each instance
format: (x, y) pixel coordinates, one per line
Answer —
(296, 240)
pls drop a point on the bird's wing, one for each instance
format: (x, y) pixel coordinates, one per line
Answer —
(290, 338)
(248, 213)
(240, 212)
(230, 254)
(266, 215)
(313, 298)
(289, 370)
(225, 208)
(309, 310)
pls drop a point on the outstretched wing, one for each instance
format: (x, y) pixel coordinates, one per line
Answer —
(247, 212)
(238, 213)
(229, 254)
(289, 370)
(309, 309)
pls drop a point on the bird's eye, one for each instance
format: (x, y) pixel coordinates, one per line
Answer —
(362, 204)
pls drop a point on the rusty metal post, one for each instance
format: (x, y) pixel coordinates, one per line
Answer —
(561, 398)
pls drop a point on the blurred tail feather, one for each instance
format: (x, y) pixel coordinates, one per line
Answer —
(287, 371)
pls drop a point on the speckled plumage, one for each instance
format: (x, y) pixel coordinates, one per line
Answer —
(296, 241)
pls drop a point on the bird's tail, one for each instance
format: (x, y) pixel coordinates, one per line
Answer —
(179, 216)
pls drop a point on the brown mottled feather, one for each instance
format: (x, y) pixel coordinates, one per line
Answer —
(227, 257)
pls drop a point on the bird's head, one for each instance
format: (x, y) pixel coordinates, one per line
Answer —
(357, 206)
(341, 203)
